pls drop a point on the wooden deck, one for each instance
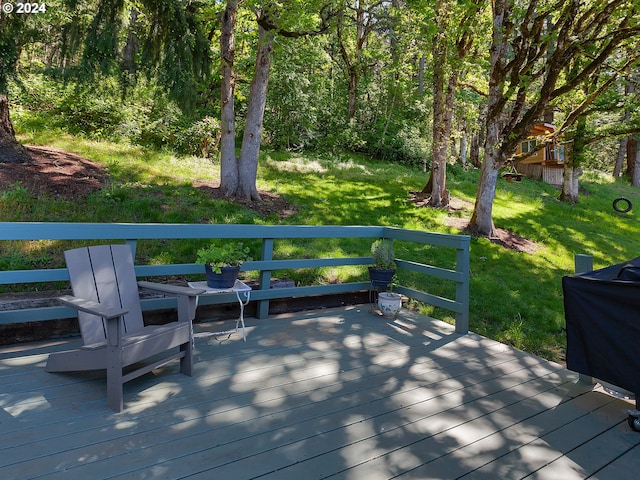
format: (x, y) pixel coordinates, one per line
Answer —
(339, 393)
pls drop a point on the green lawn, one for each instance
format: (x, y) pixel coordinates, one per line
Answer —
(515, 297)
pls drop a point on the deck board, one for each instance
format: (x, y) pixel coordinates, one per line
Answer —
(338, 393)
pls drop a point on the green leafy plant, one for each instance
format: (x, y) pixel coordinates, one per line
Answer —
(227, 255)
(383, 255)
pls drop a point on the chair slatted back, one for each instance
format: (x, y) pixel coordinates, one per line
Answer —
(105, 274)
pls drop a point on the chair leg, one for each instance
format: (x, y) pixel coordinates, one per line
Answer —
(186, 362)
(115, 395)
(186, 313)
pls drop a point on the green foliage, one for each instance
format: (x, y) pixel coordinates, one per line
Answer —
(200, 138)
(225, 255)
(295, 99)
(383, 254)
(169, 46)
(405, 144)
(144, 116)
(90, 115)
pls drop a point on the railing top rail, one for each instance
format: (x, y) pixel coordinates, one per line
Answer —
(97, 231)
(433, 238)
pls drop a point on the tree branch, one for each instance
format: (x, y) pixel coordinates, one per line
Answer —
(267, 21)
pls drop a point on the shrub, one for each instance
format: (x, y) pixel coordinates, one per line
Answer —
(383, 254)
(227, 255)
(201, 138)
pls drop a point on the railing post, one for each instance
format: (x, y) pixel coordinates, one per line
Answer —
(462, 288)
(583, 263)
(262, 310)
(134, 245)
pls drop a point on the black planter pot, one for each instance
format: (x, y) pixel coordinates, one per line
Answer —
(381, 278)
(225, 279)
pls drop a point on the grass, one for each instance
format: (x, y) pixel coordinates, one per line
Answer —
(515, 298)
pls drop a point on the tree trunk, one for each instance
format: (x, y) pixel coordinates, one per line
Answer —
(443, 102)
(570, 190)
(133, 43)
(571, 170)
(573, 161)
(632, 148)
(481, 222)
(229, 172)
(622, 151)
(421, 76)
(6, 127)
(441, 133)
(439, 129)
(353, 64)
(635, 178)
(463, 147)
(474, 151)
(248, 165)
(352, 104)
(629, 89)
(10, 149)
(426, 190)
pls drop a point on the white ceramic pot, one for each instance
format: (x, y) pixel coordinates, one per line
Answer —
(389, 303)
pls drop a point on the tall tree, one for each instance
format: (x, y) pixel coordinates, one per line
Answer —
(239, 176)
(526, 76)
(443, 97)
(446, 70)
(229, 173)
(15, 31)
(248, 161)
(357, 21)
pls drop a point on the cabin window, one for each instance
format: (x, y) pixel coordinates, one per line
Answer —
(559, 153)
(528, 146)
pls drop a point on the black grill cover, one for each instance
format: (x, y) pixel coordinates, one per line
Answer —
(602, 312)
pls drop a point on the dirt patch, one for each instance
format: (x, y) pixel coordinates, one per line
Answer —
(61, 174)
(54, 172)
(459, 207)
(270, 205)
(501, 236)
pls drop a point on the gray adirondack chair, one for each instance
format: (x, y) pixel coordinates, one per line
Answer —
(105, 294)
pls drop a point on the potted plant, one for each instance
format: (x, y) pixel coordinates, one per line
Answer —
(389, 303)
(222, 263)
(384, 265)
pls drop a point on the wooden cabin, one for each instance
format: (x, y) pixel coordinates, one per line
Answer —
(544, 163)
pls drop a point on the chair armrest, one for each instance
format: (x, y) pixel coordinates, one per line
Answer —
(171, 289)
(94, 308)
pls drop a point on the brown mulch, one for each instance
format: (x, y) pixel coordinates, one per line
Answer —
(54, 172)
(459, 207)
(62, 174)
(271, 204)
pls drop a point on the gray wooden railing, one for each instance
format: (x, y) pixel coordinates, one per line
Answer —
(132, 233)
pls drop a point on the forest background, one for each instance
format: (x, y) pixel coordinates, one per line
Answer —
(425, 85)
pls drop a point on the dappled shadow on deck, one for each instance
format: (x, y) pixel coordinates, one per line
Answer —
(337, 393)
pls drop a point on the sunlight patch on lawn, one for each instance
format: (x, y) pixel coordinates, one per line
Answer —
(351, 165)
(296, 165)
(313, 165)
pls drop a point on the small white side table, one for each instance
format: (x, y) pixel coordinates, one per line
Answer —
(241, 289)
